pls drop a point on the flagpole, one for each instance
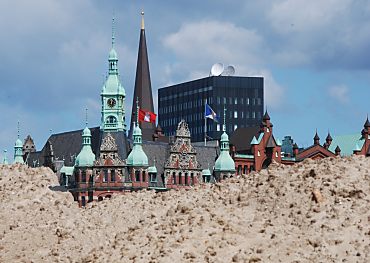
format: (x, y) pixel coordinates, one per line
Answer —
(205, 124)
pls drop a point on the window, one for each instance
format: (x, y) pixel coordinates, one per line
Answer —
(242, 101)
(224, 100)
(253, 115)
(235, 114)
(112, 175)
(245, 169)
(218, 127)
(235, 101)
(83, 176)
(218, 100)
(230, 100)
(242, 113)
(239, 169)
(137, 175)
(247, 101)
(111, 119)
(153, 177)
(235, 126)
(143, 176)
(105, 178)
(174, 177)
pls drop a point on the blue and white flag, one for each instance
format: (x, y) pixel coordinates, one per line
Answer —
(209, 113)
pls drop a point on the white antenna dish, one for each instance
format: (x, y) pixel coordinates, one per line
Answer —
(217, 69)
(229, 71)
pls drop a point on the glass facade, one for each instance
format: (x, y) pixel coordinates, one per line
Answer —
(241, 96)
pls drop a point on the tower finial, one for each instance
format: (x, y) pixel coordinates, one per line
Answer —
(137, 111)
(113, 37)
(86, 114)
(142, 19)
(18, 130)
(224, 125)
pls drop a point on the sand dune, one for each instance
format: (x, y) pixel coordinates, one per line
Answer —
(315, 211)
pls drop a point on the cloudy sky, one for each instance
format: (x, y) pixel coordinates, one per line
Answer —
(314, 56)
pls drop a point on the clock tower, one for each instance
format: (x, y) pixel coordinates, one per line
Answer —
(113, 96)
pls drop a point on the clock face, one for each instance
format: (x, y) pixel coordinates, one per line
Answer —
(111, 102)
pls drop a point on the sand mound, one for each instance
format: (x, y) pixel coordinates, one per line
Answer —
(315, 211)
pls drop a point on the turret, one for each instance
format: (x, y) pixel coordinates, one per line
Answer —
(18, 147)
(224, 166)
(86, 157)
(367, 125)
(337, 150)
(316, 139)
(295, 149)
(5, 157)
(328, 140)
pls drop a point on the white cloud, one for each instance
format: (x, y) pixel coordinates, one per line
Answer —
(200, 44)
(339, 93)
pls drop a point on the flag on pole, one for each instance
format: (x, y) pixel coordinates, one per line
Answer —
(147, 116)
(210, 114)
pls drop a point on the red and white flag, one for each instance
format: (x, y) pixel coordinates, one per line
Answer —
(147, 116)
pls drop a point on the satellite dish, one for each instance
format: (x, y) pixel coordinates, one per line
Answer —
(217, 69)
(229, 71)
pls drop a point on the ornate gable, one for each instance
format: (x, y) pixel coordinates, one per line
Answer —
(182, 153)
(108, 144)
(109, 153)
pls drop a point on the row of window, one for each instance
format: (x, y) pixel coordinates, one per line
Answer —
(112, 177)
(186, 93)
(201, 102)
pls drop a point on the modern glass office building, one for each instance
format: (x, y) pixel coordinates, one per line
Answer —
(242, 97)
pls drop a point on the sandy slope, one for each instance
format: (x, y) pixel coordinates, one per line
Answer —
(310, 212)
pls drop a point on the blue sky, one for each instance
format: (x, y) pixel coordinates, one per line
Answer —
(314, 56)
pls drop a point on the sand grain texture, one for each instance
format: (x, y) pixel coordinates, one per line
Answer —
(315, 211)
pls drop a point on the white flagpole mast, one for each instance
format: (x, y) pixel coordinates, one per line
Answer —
(205, 124)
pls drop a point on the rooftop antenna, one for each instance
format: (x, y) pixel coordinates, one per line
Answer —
(142, 19)
(217, 69)
(18, 130)
(228, 71)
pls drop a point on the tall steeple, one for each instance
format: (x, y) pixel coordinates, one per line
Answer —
(113, 95)
(18, 147)
(143, 88)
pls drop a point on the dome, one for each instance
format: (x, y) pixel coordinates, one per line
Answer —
(86, 157)
(137, 157)
(152, 169)
(18, 143)
(225, 163)
(86, 132)
(113, 86)
(137, 131)
(113, 54)
(224, 137)
(206, 172)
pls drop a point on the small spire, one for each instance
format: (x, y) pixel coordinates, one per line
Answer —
(367, 123)
(18, 130)
(113, 37)
(86, 112)
(224, 126)
(137, 111)
(266, 116)
(142, 19)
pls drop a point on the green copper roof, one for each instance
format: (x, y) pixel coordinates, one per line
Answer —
(224, 162)
(357, 147)
(347, 143)
(254, 141)
(206, 172)
(67, 170)
(137, 156)
(86, 157)
(278, 142)
(152, 169)
(18, 154)
(113, 86)
(113, 54)
(260, 137)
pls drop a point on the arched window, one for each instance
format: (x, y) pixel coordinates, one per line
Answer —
(111, 119)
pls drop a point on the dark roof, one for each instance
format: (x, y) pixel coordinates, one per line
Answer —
(329, 138)
(242, 137)
(367, 123)
(67, 146)
(316, 136)
(337, 149)
(271, 142)
(143, 89)
(266, 116)
(295, 146)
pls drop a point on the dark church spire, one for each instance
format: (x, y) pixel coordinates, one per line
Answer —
(143, 88)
